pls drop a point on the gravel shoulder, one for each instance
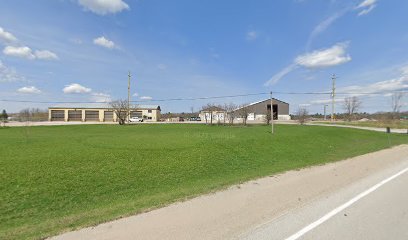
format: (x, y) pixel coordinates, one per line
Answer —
(393, 130)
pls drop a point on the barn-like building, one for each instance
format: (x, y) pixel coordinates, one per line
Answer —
(258, 110)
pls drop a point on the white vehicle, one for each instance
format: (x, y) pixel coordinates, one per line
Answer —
(136, 119)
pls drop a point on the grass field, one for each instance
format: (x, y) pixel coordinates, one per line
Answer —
(402, 124)
(58, 178)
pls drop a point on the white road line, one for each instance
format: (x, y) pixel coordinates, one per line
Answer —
(342, 207)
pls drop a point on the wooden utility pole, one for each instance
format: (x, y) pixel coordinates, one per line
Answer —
(128, 105)
(271, 114)
(333, 96)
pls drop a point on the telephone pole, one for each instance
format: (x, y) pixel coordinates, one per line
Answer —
(128, 103)
(333, 96)
(271, 114)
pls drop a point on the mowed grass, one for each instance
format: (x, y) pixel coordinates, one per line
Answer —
(59, 178)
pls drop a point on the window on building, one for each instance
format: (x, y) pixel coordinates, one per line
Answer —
(149, 111)
(149, 118)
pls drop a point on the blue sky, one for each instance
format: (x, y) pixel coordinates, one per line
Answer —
(81, 50)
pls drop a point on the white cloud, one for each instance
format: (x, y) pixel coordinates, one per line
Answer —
(146, 98)
(251, 35)
(6, 36)
(396, 84)
(46, 55)
(103, 7)
(135, 95)
(366, 6)
(322, 26)
(23, 52)
(367, 3)
(404, 70)
(101, 97)
(104, 42)
(29, 90)
(76, 88)
(8, 74)
(26, 52)
(323, 58)
(325, 101)
(381, 88)
(366, 11)
(281, 74)
(329, 57)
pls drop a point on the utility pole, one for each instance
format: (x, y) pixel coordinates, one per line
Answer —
(325, 105)
(333, 96)
(271, 114)
(128, 97)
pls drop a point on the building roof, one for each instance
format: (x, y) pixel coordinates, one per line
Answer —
(268, 99)
(213, 109)
(101, 106)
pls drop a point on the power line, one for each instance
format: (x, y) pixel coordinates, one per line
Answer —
(213, 97)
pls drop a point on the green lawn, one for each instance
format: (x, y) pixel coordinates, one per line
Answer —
(58, 178)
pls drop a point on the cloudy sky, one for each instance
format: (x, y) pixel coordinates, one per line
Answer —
(82, 50)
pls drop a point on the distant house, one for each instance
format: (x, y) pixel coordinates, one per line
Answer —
(214, 114)
(258, 110)
(102, 112)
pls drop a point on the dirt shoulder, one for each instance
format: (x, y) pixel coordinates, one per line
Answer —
(393, 130)
(228, 213)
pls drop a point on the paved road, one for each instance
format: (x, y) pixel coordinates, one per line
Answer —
(378, 212)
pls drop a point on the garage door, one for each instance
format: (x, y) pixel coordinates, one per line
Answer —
(74, 115)
(57, 115)
(136, 114)
(108, 116)
(91, 115)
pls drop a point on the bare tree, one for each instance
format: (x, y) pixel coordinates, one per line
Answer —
(396, 104)
(120, 107)
(192, 109)
(243, 113)
(302, 115)
(208, 110)
(267, 117)
(351, 105)
(230, 109)
(25, 115)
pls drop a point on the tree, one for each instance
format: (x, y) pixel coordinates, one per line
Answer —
(3, 117)
(231, 108)
(396, 104)
(208, 112)
(302, 115)
(121, 109)
(351, 105)
(25, 115)
(243, 113)
(267, 118)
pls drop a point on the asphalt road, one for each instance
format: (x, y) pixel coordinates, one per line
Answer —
(376, 208)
